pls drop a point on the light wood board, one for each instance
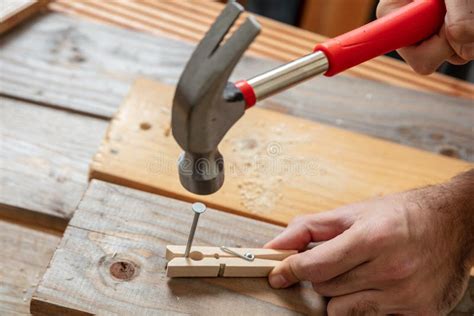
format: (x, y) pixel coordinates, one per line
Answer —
(13, 12)
(25, 253)
(45, 155)
(88, 68)
(116, 224)
(189, 20)
(277, 166)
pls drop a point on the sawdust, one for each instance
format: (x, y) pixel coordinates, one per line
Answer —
(264, 161)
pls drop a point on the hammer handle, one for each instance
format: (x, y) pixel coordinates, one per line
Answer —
(404, 27)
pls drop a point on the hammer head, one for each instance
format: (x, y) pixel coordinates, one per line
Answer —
(205, 105)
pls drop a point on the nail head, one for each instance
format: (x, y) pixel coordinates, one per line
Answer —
(199, 207)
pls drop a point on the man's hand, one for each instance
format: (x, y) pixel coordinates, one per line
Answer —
(405, 253)
(454, 42)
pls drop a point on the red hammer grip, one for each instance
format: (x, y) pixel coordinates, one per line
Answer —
(407, 26)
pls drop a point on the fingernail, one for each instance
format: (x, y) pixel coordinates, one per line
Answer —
(277, 281)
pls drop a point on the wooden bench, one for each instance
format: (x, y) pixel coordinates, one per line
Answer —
(57, 101)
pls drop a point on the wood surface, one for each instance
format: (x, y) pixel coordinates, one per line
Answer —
(13, 12)
(277, 166)
(45, 154)
(88, 68)
(25, 253)
(119, 225)
(335, 17)
(92, 81)
(189, 20)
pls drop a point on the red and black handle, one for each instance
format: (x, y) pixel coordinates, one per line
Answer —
(404, 27)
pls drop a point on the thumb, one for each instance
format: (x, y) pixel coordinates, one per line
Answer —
(284, 274)
(323, 262)
(388, 6)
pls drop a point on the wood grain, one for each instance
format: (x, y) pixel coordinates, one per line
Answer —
(116, 224)
(188, 20)
(88, 68)
(13, 12)
(25, 253)
(277, 166)
(45, 155)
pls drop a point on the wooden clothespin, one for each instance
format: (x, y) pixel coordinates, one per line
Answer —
(223, 261)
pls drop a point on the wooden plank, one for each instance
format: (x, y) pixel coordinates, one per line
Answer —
(13, 12)
(277, 166)
(45, 155)
(89, 67)
(188, 20)
(25, 253)
(117, 225)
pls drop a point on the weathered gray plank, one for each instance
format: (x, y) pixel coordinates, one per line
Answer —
(118, 224)
(25, 253)
(45, 154)
(89, 67)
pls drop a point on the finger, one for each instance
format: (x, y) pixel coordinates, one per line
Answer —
(456, 60)
(362, 277)
(426, 57)
(305, 229)
(371, 302)
(460, 27)
(388, 6)
(323, 262)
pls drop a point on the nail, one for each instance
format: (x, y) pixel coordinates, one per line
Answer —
(198, 209)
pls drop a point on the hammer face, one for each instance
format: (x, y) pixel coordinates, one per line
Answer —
(202, 111)
(201, 173)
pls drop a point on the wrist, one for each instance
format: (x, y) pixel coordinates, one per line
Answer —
(447, 210)
(458, 195)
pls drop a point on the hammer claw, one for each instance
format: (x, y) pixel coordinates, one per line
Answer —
(211, 41)
(230, 52)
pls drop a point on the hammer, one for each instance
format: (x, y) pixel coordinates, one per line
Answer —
(206, 105)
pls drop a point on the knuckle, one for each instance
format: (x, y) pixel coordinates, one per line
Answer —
(461, 31)
(298, 220)
(383, 8)
(399, 270)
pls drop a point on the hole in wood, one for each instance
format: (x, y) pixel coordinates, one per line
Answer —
(196, 255)
(145, 126)
(123, 270)
(450, 152)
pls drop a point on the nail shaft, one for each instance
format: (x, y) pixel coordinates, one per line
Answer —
(198, 209)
